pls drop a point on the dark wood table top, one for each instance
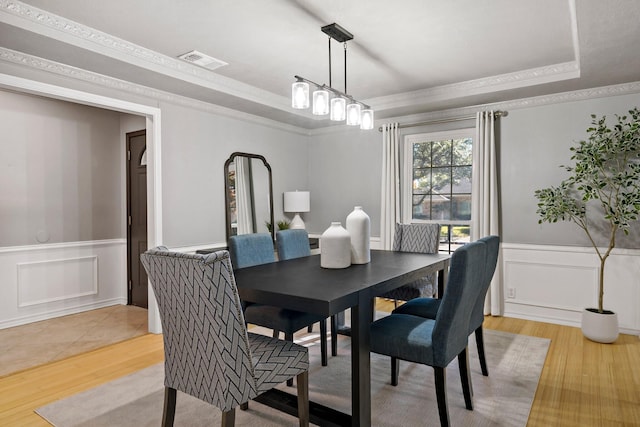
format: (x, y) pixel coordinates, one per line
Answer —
(301, 284)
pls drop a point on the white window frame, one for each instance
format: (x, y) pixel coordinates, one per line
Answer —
(406, 182)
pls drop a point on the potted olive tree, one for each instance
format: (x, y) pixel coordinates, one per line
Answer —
(603, 189)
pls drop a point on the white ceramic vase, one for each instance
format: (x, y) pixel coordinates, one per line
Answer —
(600, 327)
(335, 247)
(359, 228)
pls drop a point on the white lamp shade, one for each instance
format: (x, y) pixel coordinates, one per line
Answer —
(338, 109)
(297, 201)
(300, 95)
(353, 114)
(320, 102)
(366, 119)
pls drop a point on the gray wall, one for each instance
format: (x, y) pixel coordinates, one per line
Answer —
(60, 172)
(535, 142)
(195, 145)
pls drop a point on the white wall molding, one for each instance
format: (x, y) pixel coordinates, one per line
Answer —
(59, 28)
(555, 283)
(40, 282)
(58, 68)
(51, 280)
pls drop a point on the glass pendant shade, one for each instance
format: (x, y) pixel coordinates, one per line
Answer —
(353, 114)
(366, 119)
(320, 102)
(338, 109)
(300, 95)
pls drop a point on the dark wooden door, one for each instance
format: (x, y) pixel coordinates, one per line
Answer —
(136, 216)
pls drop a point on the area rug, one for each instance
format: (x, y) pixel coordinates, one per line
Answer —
(502, 399)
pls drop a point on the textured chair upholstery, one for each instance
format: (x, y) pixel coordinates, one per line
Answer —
(292, 244)
(254, 249)
(420, 238)
(428, 307)
(208, 352)
(436, 342)
(251, 249)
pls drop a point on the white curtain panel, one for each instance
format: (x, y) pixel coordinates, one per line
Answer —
(390, 211)
(484, 203)
(243, 196)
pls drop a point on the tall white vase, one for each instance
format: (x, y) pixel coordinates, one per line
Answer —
(335, 247)
(359, 228)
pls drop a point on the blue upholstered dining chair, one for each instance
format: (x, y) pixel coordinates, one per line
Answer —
(208, 352)
(428, 307)
(419, 238)
(436, 342)
(254, 249)
(294, 243)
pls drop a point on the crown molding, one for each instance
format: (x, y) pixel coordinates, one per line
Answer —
(58, 28)
(34, 62)
(519, 79)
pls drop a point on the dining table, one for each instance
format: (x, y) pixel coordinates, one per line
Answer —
(302, 284)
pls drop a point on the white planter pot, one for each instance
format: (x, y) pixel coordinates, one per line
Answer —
(600, 327)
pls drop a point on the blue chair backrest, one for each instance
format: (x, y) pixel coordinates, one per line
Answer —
(493, 247)
(248, 250)
(292, 244)
(450, 331)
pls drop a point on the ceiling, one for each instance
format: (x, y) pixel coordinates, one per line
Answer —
(406, 58)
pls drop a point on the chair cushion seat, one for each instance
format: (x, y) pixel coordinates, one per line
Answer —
(275, 361)
(403, 336)
(280, 319)
(423, 307)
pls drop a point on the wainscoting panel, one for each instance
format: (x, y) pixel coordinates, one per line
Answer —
(554, 284)
(40, 282)
(54, 280)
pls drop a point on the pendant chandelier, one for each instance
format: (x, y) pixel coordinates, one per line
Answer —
(326, 100)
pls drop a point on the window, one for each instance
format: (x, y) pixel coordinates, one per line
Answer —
(437, 183)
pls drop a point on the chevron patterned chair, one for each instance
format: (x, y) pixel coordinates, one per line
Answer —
(254, 249)
(436, 342)
(419, 238)
(208, 352)
(428, 307)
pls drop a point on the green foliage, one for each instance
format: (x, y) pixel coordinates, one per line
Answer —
(605, 173)
(282, 225)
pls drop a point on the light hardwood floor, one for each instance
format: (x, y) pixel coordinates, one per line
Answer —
(582, 383)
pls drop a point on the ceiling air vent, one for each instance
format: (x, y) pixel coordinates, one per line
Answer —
(202, 60)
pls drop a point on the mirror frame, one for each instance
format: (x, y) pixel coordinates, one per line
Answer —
(227, 196)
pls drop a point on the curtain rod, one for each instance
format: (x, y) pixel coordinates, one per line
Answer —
(451, 120)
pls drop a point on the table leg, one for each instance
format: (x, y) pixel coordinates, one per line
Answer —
(361, 362)
(442, 279)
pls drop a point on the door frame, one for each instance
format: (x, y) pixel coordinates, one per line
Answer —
(154, 165)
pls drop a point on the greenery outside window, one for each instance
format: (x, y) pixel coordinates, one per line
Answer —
(437, 183)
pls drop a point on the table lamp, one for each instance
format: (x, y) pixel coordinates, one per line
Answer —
(296, 201)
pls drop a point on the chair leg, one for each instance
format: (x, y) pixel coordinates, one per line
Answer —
(276, 333)
(303, 398)
(244, 406)
(323, 342)
(310, 328)
(465, 378)
(169, 411)
(395, 304)
(288, 336)
(229, 418)
(395, 367)
(334, 335)
(441, 395)
(480, 343)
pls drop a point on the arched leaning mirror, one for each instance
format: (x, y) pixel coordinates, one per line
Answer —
(248, 194)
